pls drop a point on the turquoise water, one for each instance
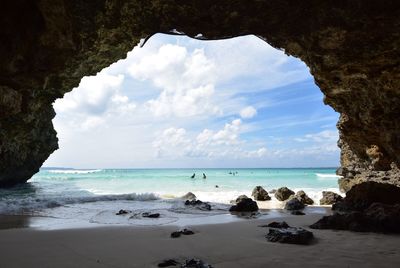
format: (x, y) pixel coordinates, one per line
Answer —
(95, 195)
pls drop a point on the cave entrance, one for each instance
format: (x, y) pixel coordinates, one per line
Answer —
(180, 102)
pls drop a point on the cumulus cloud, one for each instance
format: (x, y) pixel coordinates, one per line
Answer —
(248, 112)
(186, 79)
(226, 142)
(93, 101)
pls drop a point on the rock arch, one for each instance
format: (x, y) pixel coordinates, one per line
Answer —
(351, 47)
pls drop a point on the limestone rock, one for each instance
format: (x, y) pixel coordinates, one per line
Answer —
(46, 54)
(294, 204)
(329, 198)
(283, 193)
(245, 204)
(290, 235)
(304, 198)
(361, 196)
(260, 194)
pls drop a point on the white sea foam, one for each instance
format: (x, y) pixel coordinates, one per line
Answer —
(31, 205)
(321, 175)
(74, 171)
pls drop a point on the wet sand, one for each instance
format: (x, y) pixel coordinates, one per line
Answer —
(237, 244)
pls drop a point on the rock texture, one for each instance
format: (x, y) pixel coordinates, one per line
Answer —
(304, 198)
(283, 193)
(260, 194)
(367, 207)
(351, 48)
(329, 198)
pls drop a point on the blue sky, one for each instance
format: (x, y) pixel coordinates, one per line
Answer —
(179, 102)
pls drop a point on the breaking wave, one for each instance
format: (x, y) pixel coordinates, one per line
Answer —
(30, 205)
(74, 171)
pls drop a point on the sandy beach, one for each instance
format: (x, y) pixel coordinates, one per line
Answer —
(237, 244)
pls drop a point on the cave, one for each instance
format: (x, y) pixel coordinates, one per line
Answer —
(351, 48)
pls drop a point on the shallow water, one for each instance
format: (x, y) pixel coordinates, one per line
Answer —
(94, 196)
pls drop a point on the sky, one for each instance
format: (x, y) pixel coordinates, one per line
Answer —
(181, 102)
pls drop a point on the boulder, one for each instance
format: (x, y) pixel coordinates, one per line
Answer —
(378, 217)
(329, 198)
(198, 204)
(304, 198)
(189, 196)
(363, 195)
(283, 193)
(290, 235)
(260, 194)
(244, 204)
(294, 204)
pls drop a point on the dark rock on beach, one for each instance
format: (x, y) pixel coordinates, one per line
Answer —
(244, 204)
(378, 217)
(363, 195)
(198, 204)
(329, 198)
(260, 194)
(304, 198)
(150, 215)
(121, 212)
(283, 193)
(277, 224)
(367, 207)
(272, 191)
(195, 263)
(185, 231)
(294, 204)
(290, 235)
(168, 263)
(298, 213)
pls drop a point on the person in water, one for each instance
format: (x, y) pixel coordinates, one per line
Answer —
(194, 175)
(204, 176)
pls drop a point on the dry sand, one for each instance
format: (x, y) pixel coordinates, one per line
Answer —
(238, 244)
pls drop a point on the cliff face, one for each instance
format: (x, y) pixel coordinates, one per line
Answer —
(352, 49)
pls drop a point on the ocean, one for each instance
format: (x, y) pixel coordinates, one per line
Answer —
(76, 196)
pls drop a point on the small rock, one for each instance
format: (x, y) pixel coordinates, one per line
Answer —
(272, 191)
(329, 198)
(167, 263)
(298, 213)
(290, 235)
(198, 204)
(283, 193)
(187, 232)
(245, 204)
(176, 234)
(277, 224)
(195, 263)
(121, 212)
(294, 204)
(304, 198)
(182, 232)
(189, 196)
(260, 194)
(150, 215)
(216, 186)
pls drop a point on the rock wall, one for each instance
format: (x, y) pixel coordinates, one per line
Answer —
(351, 47)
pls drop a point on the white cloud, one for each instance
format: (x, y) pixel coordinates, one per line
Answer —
(186, 80)
(226, 142)
(248, 112)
